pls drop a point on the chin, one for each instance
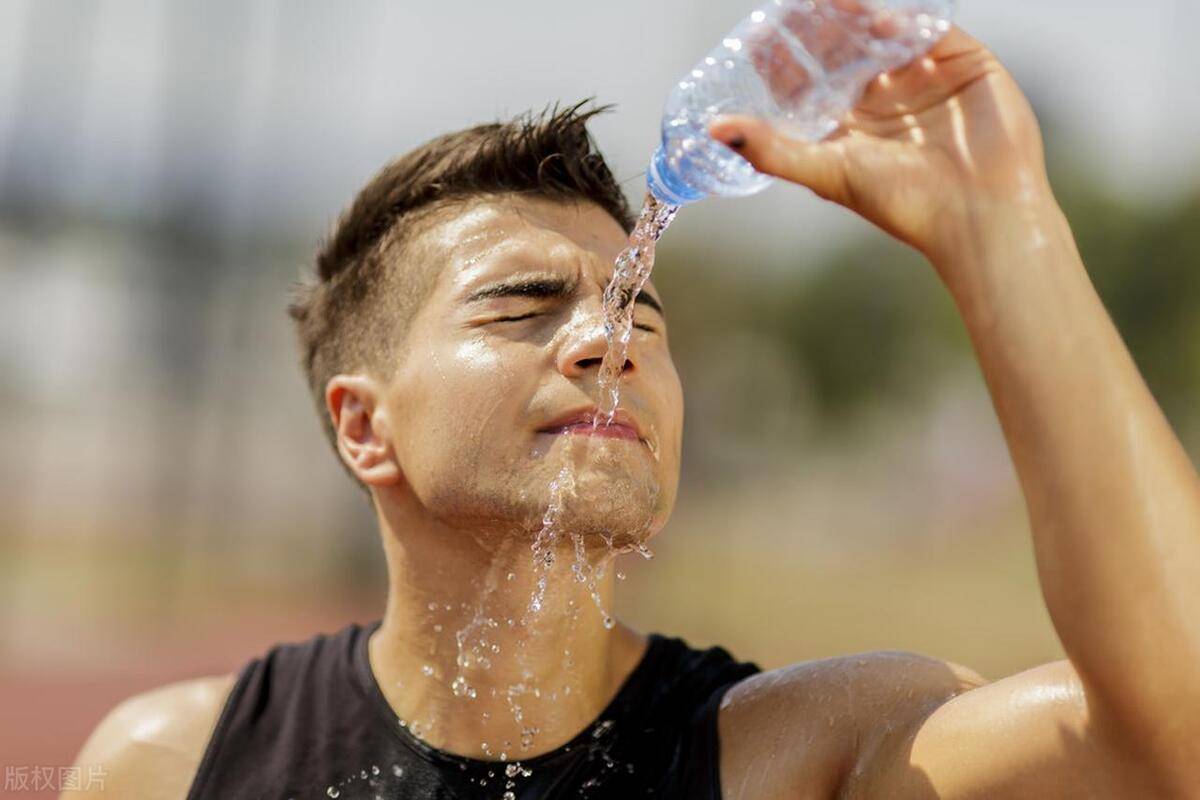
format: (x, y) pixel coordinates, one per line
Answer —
(612, 493)
(603, 490)
(622, 508)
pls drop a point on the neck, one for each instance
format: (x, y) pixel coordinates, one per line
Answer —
(486, 654)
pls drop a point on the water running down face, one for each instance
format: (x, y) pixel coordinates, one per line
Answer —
(498, 376)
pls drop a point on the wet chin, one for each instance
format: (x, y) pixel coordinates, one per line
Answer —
(612, 496)
(606, 492)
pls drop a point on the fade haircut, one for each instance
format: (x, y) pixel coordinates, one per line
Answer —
(354, 314)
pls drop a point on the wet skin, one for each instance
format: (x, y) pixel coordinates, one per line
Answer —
(945, 155)
(461, 447)
(489, 364)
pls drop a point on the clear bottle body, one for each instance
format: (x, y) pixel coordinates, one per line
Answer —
(802, 64)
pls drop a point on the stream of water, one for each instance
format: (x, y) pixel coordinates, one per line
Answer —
(631, 273)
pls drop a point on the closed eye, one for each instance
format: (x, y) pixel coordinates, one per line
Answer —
(535, 313)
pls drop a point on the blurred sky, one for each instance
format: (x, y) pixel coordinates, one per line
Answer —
(272, 113)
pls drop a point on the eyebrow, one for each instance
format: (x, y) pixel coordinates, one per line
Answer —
(548, 287)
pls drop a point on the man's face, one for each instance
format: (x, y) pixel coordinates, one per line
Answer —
(509, 343)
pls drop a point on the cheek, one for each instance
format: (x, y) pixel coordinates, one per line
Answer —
(668, 394)
(475, 356)
(482, 374)
(472, 388)
(466, 373)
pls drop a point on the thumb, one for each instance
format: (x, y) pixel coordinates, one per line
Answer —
(817, 165)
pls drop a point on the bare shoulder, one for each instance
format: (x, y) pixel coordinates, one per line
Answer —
(150, 745)
(797, 731)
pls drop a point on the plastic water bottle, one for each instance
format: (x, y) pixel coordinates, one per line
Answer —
(802, 64)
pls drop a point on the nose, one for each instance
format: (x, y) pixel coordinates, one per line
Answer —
(585, 346)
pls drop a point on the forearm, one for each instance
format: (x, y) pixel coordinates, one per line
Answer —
(1114, 502)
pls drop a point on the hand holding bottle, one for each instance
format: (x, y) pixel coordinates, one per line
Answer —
(929, 146)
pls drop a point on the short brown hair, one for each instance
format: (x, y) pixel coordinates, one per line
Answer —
(356, 312)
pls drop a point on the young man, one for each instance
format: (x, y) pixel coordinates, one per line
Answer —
(453, 341)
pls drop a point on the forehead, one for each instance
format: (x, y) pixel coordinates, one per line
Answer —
(478, 237)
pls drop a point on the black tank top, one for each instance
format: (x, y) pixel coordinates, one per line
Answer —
(309, 721)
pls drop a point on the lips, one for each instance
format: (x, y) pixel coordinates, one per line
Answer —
(582, 422)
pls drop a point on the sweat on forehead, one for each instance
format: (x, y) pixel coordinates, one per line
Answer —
(472, 233)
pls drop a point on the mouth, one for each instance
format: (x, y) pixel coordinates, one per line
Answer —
(590, 422)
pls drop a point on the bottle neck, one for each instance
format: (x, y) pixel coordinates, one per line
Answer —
(666, 184)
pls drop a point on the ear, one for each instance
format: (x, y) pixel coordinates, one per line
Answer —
(360, 420)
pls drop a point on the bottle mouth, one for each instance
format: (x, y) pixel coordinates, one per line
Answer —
(665, 184)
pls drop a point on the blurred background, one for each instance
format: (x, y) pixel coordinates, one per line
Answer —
(168, 507)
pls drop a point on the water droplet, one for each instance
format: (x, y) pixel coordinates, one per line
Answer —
(527, 735)
(426, 670)
(620, 575)
(397, 770)
(333, 791)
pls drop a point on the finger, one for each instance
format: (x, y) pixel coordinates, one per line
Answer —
(955, 42)
(883, 25)
(851, 6)
(824, 36)
(927, 80)
(787, 79)
(815, 165)
(879, 21)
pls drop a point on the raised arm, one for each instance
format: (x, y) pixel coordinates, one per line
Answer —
(947, 156)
